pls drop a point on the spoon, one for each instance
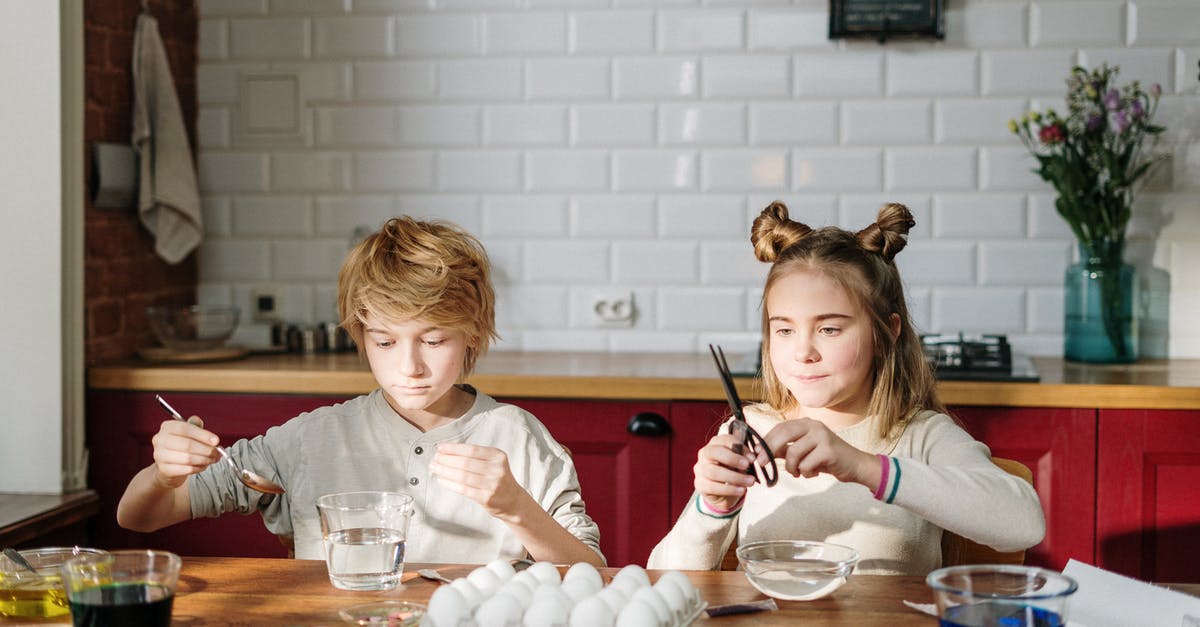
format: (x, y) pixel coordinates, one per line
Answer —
(247, 477)
(433, 575)
(19, 559)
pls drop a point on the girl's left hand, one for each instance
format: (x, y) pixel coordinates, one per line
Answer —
(810, 448)
(479, 473)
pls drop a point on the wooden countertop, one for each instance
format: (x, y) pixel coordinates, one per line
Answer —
(1149, 384)
(24, 517)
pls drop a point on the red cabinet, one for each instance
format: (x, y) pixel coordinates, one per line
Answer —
(1059, 446)
(119, 428)
(1148, 497)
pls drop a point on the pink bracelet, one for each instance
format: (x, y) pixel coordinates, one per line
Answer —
(718, 511)
(883, 480)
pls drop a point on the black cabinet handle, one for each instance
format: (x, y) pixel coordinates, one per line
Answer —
(648, 423)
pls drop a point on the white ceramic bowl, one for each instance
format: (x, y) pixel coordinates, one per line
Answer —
(796, 570)
(194, 328)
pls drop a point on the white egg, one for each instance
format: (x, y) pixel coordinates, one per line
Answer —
(592, 612)
(526, 579)
(587, 573)
(685, 585)
(651, 598)
(471, 595)
(501, 610)
(545, 572)
(614, 598)
(547, 591)
(636, 572)
(446, 607)
(517, 590)
(502, 568)
(547, 612)
(578, 589)
(675, 598)
(485, 580)
(628, 585)
(637, 614)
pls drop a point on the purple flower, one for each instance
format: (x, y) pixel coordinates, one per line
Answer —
(1121, 121)
(1095, 123)
(1112, 99)
(1136, 110)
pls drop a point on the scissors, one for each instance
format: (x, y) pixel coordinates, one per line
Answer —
(767, 474)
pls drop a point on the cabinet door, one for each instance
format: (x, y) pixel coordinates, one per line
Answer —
(694, 424)
(1148, 523)
(120, 426)
(1059, 446)
(624, 477)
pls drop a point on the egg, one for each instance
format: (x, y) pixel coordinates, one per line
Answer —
(675, 598)
(636, 572)
(502, 568)
(518, 591)
(592, 612)
(546, 612)
(470, 593)
(446, 607)
(545, 572)
(485, 580)
(651, 598)
(578, 589)
(587, 573)
(637, 614)
(685, 585)
(499, 610)
(547, 591)
(628, 585)
(614, 598)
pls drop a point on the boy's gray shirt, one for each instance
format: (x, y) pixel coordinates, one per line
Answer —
(362, 444)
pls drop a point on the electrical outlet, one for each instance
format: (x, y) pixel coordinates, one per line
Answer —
(266, 305)
(613, 309)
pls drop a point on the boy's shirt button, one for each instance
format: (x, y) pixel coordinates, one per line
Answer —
(414, 481)
(418, 450)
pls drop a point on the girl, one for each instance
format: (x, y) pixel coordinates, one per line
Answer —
(870, 458)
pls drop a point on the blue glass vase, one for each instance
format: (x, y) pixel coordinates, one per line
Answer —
(1100, 324)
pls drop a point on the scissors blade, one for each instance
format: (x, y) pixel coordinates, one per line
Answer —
(731, 394)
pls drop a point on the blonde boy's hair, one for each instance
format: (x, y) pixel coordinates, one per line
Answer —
(432, 271)
(863, 264)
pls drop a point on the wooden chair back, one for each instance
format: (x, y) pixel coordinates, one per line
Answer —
(956, 550)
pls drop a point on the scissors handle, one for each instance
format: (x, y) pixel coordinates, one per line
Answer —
(767, 474)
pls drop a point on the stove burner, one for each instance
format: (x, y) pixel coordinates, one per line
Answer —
(974, 357)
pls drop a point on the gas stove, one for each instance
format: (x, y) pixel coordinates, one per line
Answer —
(960, 357)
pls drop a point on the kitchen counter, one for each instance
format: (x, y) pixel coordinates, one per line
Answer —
(1148, 384)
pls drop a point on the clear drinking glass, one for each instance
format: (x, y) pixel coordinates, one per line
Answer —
(364, 535)
(983, 595)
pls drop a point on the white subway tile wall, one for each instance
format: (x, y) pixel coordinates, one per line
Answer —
(608, 147)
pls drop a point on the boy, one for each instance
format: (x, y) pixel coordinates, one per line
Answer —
(487, 479)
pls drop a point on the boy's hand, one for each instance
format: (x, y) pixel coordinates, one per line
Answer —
(182, 449)
(721, 477)
(810, 448)
(481, 474)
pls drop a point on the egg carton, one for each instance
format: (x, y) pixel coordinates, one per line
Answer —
(496, 595)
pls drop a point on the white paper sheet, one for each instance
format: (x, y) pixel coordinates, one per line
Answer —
(1106, 599)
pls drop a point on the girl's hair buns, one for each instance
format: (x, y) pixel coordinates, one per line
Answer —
(773, 232)
(889, 234)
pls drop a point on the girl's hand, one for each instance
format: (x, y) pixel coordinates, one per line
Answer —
(481, 474)
(721, 477)
(808, 448)
(182, 449)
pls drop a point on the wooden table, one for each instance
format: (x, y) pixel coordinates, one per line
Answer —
(25, 517)
(256, 591)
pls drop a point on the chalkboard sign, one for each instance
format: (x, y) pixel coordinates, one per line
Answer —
(882, 19)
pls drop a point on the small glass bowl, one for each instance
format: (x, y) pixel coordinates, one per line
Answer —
(194, 328)
(1001, 594)
(796, 570)
(384, 614)
(36, 596)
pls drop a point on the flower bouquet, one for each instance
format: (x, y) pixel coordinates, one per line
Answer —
(1093, 156)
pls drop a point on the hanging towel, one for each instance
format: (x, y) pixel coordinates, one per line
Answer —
(168, 197)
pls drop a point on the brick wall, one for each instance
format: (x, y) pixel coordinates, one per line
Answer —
(123, 274)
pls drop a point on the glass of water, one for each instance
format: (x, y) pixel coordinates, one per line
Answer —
(364, 534)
